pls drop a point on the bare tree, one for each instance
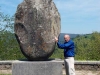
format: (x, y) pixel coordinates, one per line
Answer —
(6, 22)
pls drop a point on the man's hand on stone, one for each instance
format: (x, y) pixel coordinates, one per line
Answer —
(56, 39)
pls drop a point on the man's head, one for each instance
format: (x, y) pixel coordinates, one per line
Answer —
(66, 38)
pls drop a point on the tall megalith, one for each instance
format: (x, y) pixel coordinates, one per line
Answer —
(37, 22)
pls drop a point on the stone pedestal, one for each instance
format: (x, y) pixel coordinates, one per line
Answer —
(52, 67)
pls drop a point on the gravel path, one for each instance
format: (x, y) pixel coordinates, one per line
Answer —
(82, 72)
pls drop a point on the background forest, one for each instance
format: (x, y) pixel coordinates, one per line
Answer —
(87, 46)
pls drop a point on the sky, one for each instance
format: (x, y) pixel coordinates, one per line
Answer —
(77, 16)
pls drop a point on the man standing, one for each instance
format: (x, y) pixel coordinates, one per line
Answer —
(69, 54)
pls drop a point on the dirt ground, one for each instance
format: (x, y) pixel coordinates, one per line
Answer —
(5, 71)
(82, 72)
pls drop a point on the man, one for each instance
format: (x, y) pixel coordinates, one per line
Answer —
(69, 54)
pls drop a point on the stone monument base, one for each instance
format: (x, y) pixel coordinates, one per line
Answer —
(52, 67)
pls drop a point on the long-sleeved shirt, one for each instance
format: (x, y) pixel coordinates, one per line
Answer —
(68, 48)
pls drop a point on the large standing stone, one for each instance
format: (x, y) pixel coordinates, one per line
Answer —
(37, 22)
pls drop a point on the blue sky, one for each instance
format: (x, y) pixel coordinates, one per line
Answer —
(77, 16)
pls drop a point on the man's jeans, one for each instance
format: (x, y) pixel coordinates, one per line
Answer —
(69, 66)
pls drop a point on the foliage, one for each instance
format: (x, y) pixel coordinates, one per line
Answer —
(88, 47)
(9, 48)
(58, 53)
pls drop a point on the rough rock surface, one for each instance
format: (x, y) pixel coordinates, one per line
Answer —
(37, 22)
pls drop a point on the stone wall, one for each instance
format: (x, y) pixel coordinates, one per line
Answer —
(79, 65)
(6, 65)
(87, 65)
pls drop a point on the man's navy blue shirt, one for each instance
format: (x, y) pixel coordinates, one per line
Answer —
(68, 48)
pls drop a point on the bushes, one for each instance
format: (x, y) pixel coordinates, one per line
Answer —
(58, 53)
(9, 48)
(88, 47)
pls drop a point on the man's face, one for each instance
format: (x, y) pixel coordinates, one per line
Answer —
(66, 38)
